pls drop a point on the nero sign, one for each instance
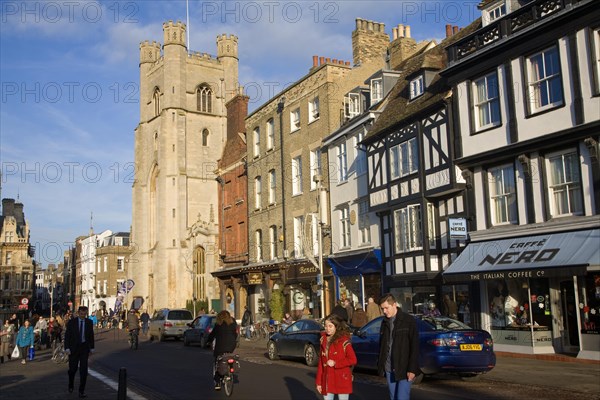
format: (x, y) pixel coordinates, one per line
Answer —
(518, 257)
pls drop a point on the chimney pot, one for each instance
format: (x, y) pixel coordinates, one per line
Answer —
(455, 30)
(315, 61)
(394, 33)
(334, 61)
(382, 28)
(322, 61)
(400, 30)
(448, 30)
(370, 25)
(348, 63)
(328, 60)
(407, 31)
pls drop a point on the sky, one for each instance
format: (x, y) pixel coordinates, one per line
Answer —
(69, 79)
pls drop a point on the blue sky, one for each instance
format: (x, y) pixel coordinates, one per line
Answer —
(69, 88)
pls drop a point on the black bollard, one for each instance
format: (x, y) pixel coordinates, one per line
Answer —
(122, 392)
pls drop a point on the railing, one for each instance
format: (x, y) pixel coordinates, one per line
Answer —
(510, 24)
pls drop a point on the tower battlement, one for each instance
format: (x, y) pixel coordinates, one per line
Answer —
(227, 46)
(174, 33)
(149, 51)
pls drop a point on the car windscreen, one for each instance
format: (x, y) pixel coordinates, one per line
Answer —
(180, 315)
(444, 324)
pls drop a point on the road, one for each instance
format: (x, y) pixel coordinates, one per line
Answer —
(168, 370)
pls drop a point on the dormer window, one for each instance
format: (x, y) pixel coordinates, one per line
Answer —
(376, 90)
(417, 87)
(497, 12)
(352, 106)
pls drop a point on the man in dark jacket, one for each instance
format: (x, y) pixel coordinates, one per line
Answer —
(247, 322)
(399, 349)
(79, 344)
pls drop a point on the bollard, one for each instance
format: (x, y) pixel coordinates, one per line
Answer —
(122, 391)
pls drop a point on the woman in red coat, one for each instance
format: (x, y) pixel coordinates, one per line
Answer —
(336, 356)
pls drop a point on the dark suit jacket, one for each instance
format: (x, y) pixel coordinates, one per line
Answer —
(405, 346)
(73, 336)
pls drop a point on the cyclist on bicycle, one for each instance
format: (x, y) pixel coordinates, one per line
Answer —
(225, 336)
(133, 323)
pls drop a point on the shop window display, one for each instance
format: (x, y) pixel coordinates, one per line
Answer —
(589, 305)
(510, 303)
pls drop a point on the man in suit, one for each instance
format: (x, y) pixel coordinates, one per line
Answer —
(79, 344)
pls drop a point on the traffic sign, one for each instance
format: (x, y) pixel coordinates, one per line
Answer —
(24, 301)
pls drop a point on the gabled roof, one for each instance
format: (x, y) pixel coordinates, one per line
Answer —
(399, 107)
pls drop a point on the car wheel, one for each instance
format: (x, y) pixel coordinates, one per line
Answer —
(185, 341)
(203, 341)
(272, 351)
(310, 355)
(161, 337)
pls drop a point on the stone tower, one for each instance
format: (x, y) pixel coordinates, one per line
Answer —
(178, 141)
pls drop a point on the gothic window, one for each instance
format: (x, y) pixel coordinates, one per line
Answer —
(156, 101)
(205, 137)
(204, 99)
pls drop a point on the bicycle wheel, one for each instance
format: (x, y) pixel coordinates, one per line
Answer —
(228, 384)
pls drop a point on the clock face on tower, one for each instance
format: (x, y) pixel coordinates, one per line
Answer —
(298, 297)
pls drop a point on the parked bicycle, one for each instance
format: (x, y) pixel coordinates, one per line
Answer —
(227, 365)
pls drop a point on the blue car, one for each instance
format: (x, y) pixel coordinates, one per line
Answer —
(445, 345)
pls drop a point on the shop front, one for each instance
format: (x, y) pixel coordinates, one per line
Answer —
(357, 275)
(538, 294)
(303, 291)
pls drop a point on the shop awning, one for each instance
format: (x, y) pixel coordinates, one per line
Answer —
(553, 254)
(356, 263)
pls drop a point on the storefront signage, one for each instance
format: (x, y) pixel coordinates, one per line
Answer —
(275, 275)
(458, 228)
(521, 252)
(303, 271)
(254, 278)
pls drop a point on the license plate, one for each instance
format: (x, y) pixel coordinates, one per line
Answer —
(470, 347)
(180, 324)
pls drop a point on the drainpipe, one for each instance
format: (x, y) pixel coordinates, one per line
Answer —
(280, 106)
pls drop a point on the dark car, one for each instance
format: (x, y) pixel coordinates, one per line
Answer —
(199, 330)
(301, 340)
(445, 345)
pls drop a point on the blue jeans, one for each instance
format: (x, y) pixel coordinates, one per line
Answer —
(331, 396)
(399, 390)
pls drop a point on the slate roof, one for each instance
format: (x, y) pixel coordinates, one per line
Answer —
(399, 108)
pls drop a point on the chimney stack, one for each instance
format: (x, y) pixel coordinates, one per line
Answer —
(407, 31)
(455, 30)
(315, 61)
(448, 30)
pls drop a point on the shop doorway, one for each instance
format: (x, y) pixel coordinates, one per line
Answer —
(570, 331)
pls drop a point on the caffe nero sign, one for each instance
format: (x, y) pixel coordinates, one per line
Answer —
(529, 257)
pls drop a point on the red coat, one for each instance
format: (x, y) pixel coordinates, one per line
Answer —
(336, 379)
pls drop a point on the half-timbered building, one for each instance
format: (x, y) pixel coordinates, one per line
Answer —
(414, 187)
(526, 108)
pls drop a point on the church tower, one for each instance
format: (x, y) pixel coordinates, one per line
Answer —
(178, 141)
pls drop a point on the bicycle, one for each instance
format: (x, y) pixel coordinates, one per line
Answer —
(133, 339)
(59, 355)
(226, 366)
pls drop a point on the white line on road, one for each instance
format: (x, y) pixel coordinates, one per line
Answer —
(114, 385)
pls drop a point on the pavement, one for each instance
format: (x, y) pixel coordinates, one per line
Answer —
(44, 379)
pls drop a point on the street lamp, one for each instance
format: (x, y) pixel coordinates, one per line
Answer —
(322, 220)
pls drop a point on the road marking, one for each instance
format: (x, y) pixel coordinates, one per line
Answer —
(114, 385)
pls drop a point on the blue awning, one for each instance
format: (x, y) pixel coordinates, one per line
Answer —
(564, 253)
(365, 262)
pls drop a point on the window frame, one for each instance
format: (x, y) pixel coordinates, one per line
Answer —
(258, 245)
(272, 186)
(273, 242)
(488, 102)
(512, 216)
(298, 236)
(501, 8)
(314, 111)
(204, 103)
(417, 87)
(345, 234)
(257, 193)
(397, 168)
(315, 167)
(576, 185)
(414, 236)
(532, 97)
(595, 58)
(352, 105)
(342, 161)
(295, 119)
(360, 154)
(376, 89)
(364, 223)
(297, 175)
(256, 142)
(270, 128)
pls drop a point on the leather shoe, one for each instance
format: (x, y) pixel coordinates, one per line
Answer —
(82, 395)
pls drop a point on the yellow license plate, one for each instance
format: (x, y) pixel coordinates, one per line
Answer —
(180, 324)
(470, 347)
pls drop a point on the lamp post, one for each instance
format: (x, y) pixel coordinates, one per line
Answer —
(322, 220)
